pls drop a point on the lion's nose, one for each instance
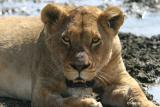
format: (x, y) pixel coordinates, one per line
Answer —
(79, 66)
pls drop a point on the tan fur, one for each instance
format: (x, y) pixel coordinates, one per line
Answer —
(35, 59)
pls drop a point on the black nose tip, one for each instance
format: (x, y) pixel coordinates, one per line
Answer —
(80, 67)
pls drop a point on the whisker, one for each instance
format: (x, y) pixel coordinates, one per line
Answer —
(104, 77)
(101, 80)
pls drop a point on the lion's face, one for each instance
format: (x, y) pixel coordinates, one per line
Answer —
(83, 38)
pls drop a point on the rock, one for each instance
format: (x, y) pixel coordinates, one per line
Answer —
(141, 59)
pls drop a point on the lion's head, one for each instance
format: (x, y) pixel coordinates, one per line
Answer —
(82, 37)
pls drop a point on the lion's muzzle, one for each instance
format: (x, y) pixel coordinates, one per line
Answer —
(80, 72)
(80, 62)
(80, 66)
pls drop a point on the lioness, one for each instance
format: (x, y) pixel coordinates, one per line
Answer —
(72, 48)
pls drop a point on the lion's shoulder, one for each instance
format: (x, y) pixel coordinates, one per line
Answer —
(17, 30)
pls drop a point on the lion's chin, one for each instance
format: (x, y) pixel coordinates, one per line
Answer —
(79, 83)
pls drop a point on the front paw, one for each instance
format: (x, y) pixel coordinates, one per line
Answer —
(90, 102)
(133, 103)
(81, 102)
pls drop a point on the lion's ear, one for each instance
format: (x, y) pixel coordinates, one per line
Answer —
(52, 13)
(113, 17)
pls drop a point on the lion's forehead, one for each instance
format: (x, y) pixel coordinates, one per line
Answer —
(84, 15)
(83, 20)
(86, 10)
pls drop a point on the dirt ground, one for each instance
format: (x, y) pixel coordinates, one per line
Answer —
(141, 57)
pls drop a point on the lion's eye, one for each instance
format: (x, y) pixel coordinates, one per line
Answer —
(66, 40)
(96, 41)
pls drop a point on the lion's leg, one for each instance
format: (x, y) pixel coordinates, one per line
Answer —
(43, 97)
(115, 95)
(126, 95)
(49, 100)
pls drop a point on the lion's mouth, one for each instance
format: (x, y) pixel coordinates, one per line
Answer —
(79, 83)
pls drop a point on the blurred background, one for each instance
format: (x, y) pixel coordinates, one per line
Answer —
(140, 13)
(32, 7)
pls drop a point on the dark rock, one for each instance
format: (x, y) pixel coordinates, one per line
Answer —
(141, 56)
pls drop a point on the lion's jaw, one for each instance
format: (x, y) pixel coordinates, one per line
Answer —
(83, 37)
